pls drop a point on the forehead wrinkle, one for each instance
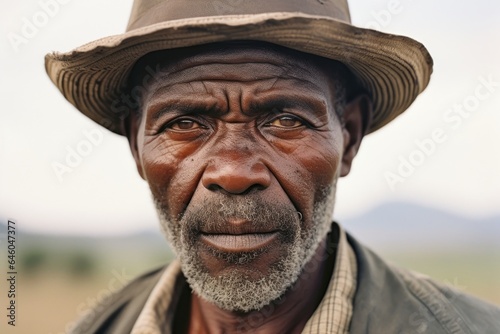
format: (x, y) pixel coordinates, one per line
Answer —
(266, 73)
(162, 102)
(225, 72)
(293, 63)
(165, 91)
(238, 56)
(275, 83)
(297, 93)
(267, 67)
(314, 102)
(288, 92)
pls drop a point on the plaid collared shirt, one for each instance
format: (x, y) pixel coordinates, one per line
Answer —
(333, 314)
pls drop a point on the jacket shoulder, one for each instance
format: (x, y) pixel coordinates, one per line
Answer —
(393, 300)
(118, 312)
(478, 316)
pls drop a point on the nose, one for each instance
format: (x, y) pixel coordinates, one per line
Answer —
(236, 171)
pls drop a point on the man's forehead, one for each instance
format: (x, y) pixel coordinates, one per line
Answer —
(270, 58)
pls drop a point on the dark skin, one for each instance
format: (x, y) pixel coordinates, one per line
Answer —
(249, 121)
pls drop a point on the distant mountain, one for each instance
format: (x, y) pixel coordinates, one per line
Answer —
(407, 226)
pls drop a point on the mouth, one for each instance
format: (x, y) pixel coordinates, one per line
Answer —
(239, 243)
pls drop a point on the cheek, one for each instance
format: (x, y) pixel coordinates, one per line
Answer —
(321, 159)
(171, 173)
(320, 168)
(308, 168)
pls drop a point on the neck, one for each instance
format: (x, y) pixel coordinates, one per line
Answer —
(289, 314)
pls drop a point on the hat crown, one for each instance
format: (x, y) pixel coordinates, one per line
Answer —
(148, 12)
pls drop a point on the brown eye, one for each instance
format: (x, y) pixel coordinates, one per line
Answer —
(286, 122)
(184, 124)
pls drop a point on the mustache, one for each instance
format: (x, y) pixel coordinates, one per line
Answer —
(218, 215)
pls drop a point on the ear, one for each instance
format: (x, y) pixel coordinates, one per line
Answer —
(355, 122)
(131, 125)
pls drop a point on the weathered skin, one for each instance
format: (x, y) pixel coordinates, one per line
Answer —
(248, 122)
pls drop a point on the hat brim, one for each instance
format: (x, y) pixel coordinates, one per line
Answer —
(394, 69)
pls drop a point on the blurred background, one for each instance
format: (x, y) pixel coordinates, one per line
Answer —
(424, 191)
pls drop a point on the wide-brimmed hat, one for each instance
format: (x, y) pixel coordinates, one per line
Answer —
(93, 77)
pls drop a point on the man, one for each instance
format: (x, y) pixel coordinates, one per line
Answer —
(241, 120)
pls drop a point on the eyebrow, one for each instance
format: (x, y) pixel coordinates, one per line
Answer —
(162, 102)
(283, 101)
(156, 110)
(186, 106)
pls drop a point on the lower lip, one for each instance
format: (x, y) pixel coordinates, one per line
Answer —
(239, 242)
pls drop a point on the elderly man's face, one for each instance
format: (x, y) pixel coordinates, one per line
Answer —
(242, 150)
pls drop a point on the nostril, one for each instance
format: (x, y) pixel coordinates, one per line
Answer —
(252, 188)
(256, 187)
(214, 187)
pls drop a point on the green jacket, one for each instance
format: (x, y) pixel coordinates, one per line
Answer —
(388, 300)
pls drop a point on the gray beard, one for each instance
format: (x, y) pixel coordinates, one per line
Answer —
(235, 291)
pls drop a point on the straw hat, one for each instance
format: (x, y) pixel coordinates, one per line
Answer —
(394, 69)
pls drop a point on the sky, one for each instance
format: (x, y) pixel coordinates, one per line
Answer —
(432, 155)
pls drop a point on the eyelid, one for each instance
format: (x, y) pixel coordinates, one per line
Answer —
(183, 120)
(280, 114)
(168, 125)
